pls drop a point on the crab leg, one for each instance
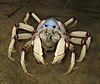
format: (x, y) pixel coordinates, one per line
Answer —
(70, 23)
(14, 32)
(22, 61)
(88, 41)
(10, 49)
(37, 50)
(13, 41)
(60, 51)
(21, 26)
(79, 33)
(82, 55)
(83, 51)
(76, 40)
(33, 15)
(71, 47)
(62, 27)
(24, 36)
(82, 34)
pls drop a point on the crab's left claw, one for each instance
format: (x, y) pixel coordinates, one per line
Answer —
(37, 50)
(60, 51)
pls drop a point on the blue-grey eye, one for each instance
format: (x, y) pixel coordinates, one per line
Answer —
(54, 26)
(46, 25)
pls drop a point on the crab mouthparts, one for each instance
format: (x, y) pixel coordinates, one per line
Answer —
(50, 46)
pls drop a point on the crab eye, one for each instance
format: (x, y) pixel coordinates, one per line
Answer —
(46, 25)
(54, 26)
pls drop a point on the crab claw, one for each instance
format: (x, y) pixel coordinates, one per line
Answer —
(10, 49)
(59, 54)
(37, 50)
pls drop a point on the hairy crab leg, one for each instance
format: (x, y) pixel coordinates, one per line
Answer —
(70, 23)
(30, 14)
(82, 34)
(71, 47)
(14, 40)
(22, 61)
(84, 48)
(60, 51)
(37, 50)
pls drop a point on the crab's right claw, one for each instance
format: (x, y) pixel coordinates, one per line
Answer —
(37, 50)
(10, 49)
(60, 51)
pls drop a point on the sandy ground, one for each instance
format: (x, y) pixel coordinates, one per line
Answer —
(88, 16)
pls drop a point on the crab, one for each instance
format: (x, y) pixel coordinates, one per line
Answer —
(49, 35)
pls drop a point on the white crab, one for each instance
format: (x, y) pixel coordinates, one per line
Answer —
(51, 35)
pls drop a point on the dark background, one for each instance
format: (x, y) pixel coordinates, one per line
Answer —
(87, 13)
